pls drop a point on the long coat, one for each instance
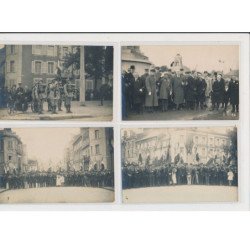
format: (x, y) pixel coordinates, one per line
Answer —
(218, 90)
(201, 89)
(190, 89)
(165, 88)
(178, 90)
(138, 93)
(233, 90)
(151, 99)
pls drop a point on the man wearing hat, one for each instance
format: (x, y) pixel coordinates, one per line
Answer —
(190, 91)
(208, 81)
(218, 89)
(178, 90)
(151, 99)
(233, 90)
(130, 80)
(201, 91)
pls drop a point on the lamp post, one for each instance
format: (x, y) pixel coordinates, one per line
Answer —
(82, 77)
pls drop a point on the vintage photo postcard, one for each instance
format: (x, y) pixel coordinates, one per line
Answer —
(180, 82)
(56, 165)
(179, 165)
(56, 82)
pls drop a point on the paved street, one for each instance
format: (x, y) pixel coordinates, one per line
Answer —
(90, 112)
(181, 194)
(183, 115)
(57, 195)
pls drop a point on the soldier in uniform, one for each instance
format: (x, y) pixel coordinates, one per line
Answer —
(19, 95)
(47, 90)
(61, 93)
(37, 97)
(68, 95)
(53, 96)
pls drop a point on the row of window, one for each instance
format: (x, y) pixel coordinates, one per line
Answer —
(38, 67)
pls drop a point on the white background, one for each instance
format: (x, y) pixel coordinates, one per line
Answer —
(125, 230)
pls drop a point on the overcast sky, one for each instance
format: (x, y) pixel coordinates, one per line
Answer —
(196, 57)
(46, 144)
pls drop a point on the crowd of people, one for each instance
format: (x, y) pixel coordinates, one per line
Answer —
(55, 93)
(42, 179)
(136, 176)
(158, 90)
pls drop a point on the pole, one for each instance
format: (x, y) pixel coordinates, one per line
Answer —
(82, 77)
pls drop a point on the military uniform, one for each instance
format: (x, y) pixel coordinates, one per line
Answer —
(68, 95)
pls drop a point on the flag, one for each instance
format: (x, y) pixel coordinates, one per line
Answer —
(197, 157)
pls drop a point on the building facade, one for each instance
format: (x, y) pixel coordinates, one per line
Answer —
(93, 149)
(12, 152)
(32, 63)
(2, 67)
(131, 55)
(193, 146)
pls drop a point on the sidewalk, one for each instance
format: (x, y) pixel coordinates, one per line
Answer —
(90, 112)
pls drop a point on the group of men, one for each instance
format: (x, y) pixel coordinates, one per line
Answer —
(39, 179)
(54, 93)
(135, 176)
(175, 90)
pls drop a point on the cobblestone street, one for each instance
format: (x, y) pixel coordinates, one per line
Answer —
(90, 112)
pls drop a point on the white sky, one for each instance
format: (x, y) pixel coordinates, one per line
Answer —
(46, 144)
(199, 57)
(1, 46)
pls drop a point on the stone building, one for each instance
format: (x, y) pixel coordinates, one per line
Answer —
(131, 55)
(31, 63)
(189, 144)
(12, 152)
(2, 67)
(93, 149)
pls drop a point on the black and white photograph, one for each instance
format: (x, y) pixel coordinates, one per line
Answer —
(180, 82)
(56, 82)
(179, 165)
(56, 165)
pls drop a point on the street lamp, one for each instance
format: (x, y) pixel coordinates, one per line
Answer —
(82, 77)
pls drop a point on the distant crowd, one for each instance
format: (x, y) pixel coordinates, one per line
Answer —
(136, 176)
(37, 179)
(157, 90)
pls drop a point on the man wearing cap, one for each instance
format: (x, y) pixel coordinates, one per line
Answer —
(151, 99)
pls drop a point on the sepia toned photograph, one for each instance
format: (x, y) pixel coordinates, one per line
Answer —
(179, 165)
(56, 165)
(56, 82)
(180, 82)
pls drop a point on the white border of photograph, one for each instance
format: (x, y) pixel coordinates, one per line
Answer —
(145, 38)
